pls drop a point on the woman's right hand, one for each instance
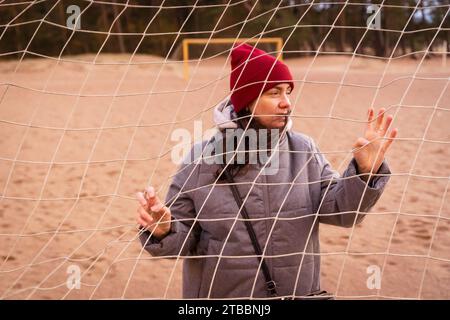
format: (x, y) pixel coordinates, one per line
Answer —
(152, 214)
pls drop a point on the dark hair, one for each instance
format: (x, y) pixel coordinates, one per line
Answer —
(244, 119)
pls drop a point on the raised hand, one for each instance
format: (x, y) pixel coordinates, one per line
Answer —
(370, 149)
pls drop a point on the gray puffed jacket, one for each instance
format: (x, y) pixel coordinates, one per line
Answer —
(207, 230)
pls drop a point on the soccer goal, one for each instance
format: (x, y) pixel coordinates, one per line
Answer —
(92, 110)
(277, 42)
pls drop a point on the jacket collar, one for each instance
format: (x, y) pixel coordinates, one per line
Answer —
(225, 117)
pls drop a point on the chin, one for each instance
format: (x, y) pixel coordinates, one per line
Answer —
(278, 124)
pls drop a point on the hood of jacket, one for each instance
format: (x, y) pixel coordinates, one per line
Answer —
(225, 117)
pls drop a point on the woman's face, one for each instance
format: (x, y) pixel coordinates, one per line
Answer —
(273, 107)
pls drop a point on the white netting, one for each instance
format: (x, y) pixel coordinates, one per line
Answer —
(85, 127)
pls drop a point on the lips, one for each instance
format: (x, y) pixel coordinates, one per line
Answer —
(283, 114)
(282, 117)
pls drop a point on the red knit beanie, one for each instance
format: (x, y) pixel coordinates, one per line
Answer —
(249, 79)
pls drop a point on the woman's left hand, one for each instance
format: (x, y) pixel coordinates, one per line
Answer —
(370, 149)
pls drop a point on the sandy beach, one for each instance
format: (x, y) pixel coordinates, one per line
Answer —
(81, 136)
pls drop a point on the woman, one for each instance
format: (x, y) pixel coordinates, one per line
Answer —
(202, 218)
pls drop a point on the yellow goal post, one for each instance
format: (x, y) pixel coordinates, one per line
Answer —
(196, 41)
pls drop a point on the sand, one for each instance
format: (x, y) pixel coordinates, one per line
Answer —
(78, 140)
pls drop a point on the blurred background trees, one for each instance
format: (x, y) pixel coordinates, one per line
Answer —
(158, 27)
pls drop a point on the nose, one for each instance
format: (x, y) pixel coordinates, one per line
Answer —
(285, 103)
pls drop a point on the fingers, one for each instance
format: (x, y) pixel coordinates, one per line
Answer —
(380, 117)
(144, 218)
(149, 193)
(142, 222)
(141, 198)
(150, 202)
(147, 198)
(386, 125)
(151, 213)
(380, 126)
(158, 208)
(390, 139)
(369, 118)
(151, 197)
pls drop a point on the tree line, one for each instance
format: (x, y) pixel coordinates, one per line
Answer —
(46, 27)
